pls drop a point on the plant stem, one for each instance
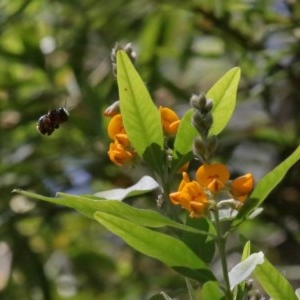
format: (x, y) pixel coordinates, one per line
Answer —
(221, 243)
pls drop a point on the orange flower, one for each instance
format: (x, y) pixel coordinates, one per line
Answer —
(213, 176)
(120, 154)
(190, 196)
(115, 126)
(120, 151)
(169, 119)
(241, 187)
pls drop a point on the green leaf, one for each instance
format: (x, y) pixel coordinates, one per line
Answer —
(202, 245)
(154, 244)
(185, 135)
(244, 269)
(88, 205)
(266, 185)
(223, 95)
(140, 116)
(211, 291)
(246, 250)
(273, 282)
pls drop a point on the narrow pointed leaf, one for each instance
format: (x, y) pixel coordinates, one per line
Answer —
(154, 244)
(88, 205)
(223, 94)
(246, 250)
(140, 116)
(266, 185)
(274, 283)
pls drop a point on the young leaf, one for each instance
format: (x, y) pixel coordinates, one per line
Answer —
(266, 185)
(140, 116)
(154, 244)
(244, 269)
(88, 205)
(246, 250)
(223, 95)
(273, 282)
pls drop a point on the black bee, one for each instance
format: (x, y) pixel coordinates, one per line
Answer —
(47, 123)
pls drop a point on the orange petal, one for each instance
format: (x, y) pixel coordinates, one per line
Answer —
(119, 155)
(213, 176)
(115, 126)
(170, 120)
(184, 181)
(191, 192)
(197, 209)
(242, 186)
(122, 139)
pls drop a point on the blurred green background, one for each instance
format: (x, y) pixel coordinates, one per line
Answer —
(56, 52)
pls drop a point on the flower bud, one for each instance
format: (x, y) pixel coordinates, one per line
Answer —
(197, 121)
(199, 148)
(130, 52)
(208, 119)
(113, 56)
(241, 187)
(198, 101)
(208, 106)
(212, 144)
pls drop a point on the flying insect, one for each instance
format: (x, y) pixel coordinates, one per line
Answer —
(47, 123)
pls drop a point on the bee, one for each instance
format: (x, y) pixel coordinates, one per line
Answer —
(47, 123)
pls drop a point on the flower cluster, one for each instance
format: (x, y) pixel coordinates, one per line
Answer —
(120, 150)
(198, 196)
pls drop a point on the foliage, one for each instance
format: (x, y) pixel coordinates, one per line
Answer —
(138, 109)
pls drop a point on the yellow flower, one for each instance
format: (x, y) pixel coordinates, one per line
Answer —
(190, 196)
(169, 119)
(213, 176)
(241, 187)
(120, 154)
(115, 126)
